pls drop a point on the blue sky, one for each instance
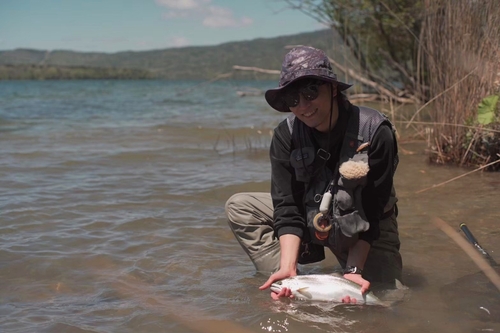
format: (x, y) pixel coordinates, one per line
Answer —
(120, 25)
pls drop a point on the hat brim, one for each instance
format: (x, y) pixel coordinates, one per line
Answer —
(274, 99)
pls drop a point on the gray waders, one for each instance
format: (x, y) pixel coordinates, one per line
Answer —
(250, 216)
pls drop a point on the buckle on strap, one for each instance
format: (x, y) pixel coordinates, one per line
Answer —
(323, 154)
(387, 214)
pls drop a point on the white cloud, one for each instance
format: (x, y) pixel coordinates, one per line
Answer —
(178, 41)
(144, 43)
(219, 17)
(182, 4)
(219, 11)
(210, 16)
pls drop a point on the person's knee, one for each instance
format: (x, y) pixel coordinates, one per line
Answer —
(234, 202)
(239, 209)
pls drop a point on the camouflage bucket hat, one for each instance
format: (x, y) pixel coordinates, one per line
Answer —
(300, 63)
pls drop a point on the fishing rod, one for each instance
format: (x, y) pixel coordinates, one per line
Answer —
(470, 237)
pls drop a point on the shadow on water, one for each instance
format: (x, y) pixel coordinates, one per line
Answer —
(473, 297)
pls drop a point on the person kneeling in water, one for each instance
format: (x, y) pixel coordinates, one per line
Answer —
(331, 184)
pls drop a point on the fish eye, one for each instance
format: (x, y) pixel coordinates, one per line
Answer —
(279, 283)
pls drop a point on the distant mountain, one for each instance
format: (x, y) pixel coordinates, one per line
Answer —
(198, 62)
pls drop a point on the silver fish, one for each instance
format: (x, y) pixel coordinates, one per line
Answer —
(325, 287)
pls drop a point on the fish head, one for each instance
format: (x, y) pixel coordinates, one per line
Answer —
(298, 289)
(277, 286)
(291, 283)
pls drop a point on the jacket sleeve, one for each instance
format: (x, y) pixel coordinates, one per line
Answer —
(286, 192)
(376, 193)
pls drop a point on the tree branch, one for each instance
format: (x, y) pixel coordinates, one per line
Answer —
(256, 69)
(374, 85)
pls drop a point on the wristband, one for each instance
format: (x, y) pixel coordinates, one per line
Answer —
(353, 270)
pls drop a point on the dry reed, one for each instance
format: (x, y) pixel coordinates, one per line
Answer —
(462, 44)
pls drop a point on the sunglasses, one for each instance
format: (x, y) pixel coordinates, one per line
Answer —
(308, 89)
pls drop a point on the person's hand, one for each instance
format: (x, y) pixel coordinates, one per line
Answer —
(356, 278)
(279, 275)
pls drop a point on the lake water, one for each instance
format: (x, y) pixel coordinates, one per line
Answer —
(112, 218)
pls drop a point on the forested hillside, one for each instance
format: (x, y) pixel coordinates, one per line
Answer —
(202, 62)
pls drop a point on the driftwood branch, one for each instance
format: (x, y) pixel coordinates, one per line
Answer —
(356, 98)
(382, 90)
(249, 92)
(348, 71)
(374, 85)
(397, 65)
(256, 69)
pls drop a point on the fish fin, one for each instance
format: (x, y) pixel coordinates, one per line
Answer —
(303, 291)
(398, 294)
(400, 285)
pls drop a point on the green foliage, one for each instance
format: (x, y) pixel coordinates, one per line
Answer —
(486, 110)
(371, 26)
(382, 35)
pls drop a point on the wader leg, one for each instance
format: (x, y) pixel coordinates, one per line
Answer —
(384, 263)
(250, 216)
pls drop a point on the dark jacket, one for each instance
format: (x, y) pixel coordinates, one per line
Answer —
(288, 193)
